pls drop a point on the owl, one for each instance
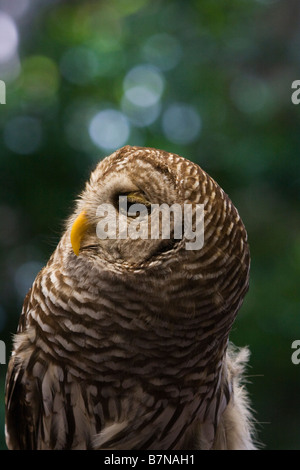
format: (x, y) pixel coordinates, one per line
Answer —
(123, 338)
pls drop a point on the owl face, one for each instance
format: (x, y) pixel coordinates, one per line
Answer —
(134, 208)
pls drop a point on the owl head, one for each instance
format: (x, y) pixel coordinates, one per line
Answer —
(119, 226)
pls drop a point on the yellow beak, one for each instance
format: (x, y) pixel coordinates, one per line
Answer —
(79, 228)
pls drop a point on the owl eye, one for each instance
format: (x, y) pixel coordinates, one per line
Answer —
(133, 204)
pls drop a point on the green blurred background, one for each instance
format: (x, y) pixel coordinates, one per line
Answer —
(209, 80)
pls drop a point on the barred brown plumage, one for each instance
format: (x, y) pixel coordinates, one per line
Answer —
(125, 346)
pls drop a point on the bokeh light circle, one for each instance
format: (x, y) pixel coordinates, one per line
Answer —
(140, 116)
(143, 85)
(109, 129)
(181, 123)
(39, 79)
(8, 37)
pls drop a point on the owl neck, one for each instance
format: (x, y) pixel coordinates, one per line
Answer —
(132, 327)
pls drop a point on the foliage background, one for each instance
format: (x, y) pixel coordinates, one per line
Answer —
(209, 80)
